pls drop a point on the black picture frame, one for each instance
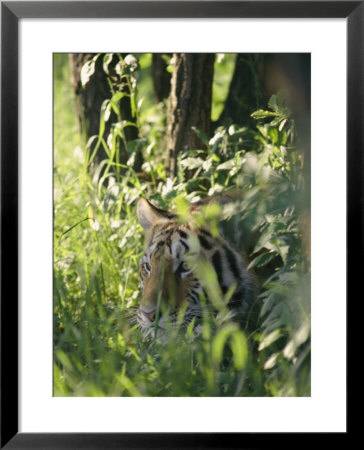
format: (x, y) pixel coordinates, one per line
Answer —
(11, 13)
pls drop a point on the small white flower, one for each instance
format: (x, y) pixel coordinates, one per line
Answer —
(95, 225)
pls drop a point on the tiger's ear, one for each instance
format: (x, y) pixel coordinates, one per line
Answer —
(149, 215)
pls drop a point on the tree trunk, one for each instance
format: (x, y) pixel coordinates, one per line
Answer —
(88, 101)
(161, 78)
(246, 92)
(291, 72)
(189, 104)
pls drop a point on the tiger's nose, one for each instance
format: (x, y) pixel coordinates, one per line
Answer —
(148, 313)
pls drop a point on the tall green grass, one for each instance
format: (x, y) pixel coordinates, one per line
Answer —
(98, 350)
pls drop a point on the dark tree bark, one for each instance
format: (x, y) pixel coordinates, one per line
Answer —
(88, 101)
(246, 92)
(189, 104)
(292, 72)
(257, 77)
(161, 78)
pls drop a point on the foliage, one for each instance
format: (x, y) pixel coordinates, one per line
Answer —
(98, 350)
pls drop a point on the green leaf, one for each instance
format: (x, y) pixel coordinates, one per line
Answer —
(227, 165)
(131, 62)
(261, 260)
(271, 361)
(282, 124)
(299, 337)
(192, 163)
(127, 384)
(106, 62)
(238, 345)
(273, 133)
(239, 348)
(261, 114)
(202, 135)
(273, 103)
(88, 70)
(104, 116)
(269, 339)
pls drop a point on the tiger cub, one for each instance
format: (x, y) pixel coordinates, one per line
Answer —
(170, 279)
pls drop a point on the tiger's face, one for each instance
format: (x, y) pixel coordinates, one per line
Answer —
(183, 264)
(170, 290)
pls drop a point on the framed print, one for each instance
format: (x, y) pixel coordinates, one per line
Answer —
(181, 194)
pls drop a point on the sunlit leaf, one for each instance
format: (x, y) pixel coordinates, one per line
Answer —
(227, 165)
(88, 69)
(261, 260)
(299, 337)
(192, 163)
(237, 343)
(261, 114)
(106, 62)
(271, 361)
(269, 339)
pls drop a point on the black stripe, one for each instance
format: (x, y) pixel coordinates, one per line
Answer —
(179, 268)
(205, 244)
(182, 234)
(237, 297)
(194, 297)
(205, 232)
(233, 263)
(216, 262)
(185, 245)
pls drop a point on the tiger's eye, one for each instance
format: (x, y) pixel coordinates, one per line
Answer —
(183, 270)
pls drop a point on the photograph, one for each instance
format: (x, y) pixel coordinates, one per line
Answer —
(181, 224)
(181, 202)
